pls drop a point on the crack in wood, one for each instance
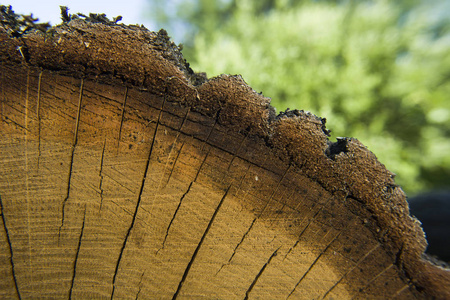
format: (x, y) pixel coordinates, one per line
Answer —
(74, 144)
(168, 156)
(312, 265)
(11, 253)
(238, 245)
(140, 286)
(3, 99)
(194, 255)
(141, 189)
(252, 285)
(237, 151)
(174, 163)
(27, 171)
(100, 174)
(254, 220)
(310, 221)
(173, 146)
(38, 115)
(174, 215)
(302, 232)
(122, 117)
(219, 147)
(205, 142)
(201, 165)
(76, 255)
(274, 191)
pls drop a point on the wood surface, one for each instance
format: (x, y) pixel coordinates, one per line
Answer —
(125, 175)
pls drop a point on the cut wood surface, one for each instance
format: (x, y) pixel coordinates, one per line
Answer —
(125, 175)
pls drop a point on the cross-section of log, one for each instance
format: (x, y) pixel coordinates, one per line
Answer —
(123, 174)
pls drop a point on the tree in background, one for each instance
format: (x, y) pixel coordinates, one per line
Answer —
(377, 70)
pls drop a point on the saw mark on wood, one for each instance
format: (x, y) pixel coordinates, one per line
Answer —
(9, 120)
(122, 117)
(141, 189)
(194, 255)
(121, 207)
(74, 144)
(174, 215)
(38, 114)
(118, 182)
(351, 269)
(312, 265)
(74, 272)
(11, 253)
(252, 285)
(406, 286)
(100, 174)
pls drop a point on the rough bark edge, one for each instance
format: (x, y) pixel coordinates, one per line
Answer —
(101, 51)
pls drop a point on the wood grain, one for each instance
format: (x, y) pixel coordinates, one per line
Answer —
(122, 179)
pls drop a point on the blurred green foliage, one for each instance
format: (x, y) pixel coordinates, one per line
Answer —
(377, 70)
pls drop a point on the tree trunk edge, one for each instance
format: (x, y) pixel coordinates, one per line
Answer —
(87, 50)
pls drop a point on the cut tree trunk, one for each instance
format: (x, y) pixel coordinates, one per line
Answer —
(123, 174)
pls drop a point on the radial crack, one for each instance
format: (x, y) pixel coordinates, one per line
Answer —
(76, 255)
(312, 265)
(194, 255)
(100, 174)
(237, 246)
(250, 288)
(144, 177)
(274, 191)
(173, 146)
(301, 233)
(11, 254)
(174, 163)
(201, 165)
(74, 144)
(38, 114)
(254, 220)
(174, 215)
(122, 116)
(140, 286)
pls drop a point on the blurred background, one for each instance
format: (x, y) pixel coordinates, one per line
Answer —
(376, 70)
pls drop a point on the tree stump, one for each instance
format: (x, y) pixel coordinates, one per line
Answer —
(123, 174)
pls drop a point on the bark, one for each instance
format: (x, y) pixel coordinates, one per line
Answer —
(124, 174)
